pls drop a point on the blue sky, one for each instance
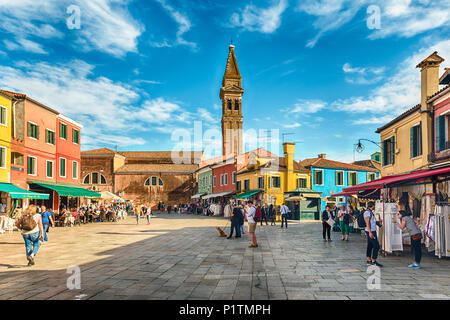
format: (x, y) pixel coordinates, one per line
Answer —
(138, 71)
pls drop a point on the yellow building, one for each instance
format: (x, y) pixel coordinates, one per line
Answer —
(407, 140)
(5, 137)
(267, 179)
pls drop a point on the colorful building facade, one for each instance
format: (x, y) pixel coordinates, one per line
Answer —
(6, 102)
(330, 177)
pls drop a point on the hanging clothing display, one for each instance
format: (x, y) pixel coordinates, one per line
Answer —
(430, 227)
(442, 231)
(392, 234)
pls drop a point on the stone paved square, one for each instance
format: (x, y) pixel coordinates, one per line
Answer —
(182, 257)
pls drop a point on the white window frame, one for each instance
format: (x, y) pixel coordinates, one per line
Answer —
(221, 180)
(214, 181)
(343, 178)
(272, 186)
(5, 155)
(73, 129)
(233, 179)
(314, 176)
(348, 178)
(35, 166)
(53, 168)
(67, 135)
(6, 116)
(65, 167)
(27, 130)
(374, 175)
(50, 144)
(225, 179)
(76, 177)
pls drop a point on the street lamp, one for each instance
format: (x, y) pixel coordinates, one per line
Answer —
(359, 147)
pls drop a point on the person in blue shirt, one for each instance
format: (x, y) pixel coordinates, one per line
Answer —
(47, 220)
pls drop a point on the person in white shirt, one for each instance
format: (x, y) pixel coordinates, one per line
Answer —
(284, 211)
(251, 212)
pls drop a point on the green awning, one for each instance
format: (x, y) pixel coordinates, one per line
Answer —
(19, 193)
(247, 194)
(70, 191)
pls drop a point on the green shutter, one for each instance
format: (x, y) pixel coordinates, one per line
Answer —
(442, 133)
(29, 129)
(392, 150)
(37, 132)
(419, 140)
(412, 142)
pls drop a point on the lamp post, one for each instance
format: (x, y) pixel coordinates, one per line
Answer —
(359, 147)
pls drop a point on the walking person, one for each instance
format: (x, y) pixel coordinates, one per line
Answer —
(47, 220)
(148, 214)
(326, 228)
(284, 210)
(137, 213)
(416, 236)
(264, 214)
(236, 218)
(344, 221)
(244, 216)
(373, 246)
(251, 213)
(32, 231)
(272, 215)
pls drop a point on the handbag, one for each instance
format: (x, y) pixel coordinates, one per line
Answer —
(331, 222)
(416, 236)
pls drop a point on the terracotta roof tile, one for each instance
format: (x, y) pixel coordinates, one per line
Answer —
(439, 92)
(326, 163)
(158, 168)
(24, 96)
(98, 151)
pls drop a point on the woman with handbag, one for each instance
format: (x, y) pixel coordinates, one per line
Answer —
(327, 222)
(416, 236)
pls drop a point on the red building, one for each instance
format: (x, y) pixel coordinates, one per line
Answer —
(224, 176)
(440, 103)
(45, 153)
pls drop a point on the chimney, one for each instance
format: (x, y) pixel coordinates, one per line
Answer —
(289, 151)
(429, 70)
(322, 155)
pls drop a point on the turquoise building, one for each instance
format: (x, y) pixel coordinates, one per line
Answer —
(330, 177)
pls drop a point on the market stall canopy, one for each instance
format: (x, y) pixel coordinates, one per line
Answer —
(109, 196)
(247, 194)
(295, 198)
(303, 192)
(197, 196)
(397, 180)
(69, 191)
(218, 194)
(19, 193)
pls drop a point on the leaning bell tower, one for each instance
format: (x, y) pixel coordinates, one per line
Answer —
(231, 95)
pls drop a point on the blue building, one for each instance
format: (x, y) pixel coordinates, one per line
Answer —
(331, 177)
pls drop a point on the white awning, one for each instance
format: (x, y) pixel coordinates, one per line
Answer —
(218, 194)
(197, 196)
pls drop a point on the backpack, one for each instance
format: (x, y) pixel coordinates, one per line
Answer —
(28, 223)
(362, 221)
(346, 218)
(258, 215)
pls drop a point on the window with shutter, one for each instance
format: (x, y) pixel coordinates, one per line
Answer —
(392, 150)
(440, 133)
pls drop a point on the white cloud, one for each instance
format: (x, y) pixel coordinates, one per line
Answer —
(184, 25)
(307, 106)
(399, 92)
(106, 25)
(24, 45)
(359, 75)
(264, 20)
(111, 112)
(403, 18)
(374, 120)
(293, 125)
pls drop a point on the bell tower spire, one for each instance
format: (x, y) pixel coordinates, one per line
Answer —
(231, 96)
